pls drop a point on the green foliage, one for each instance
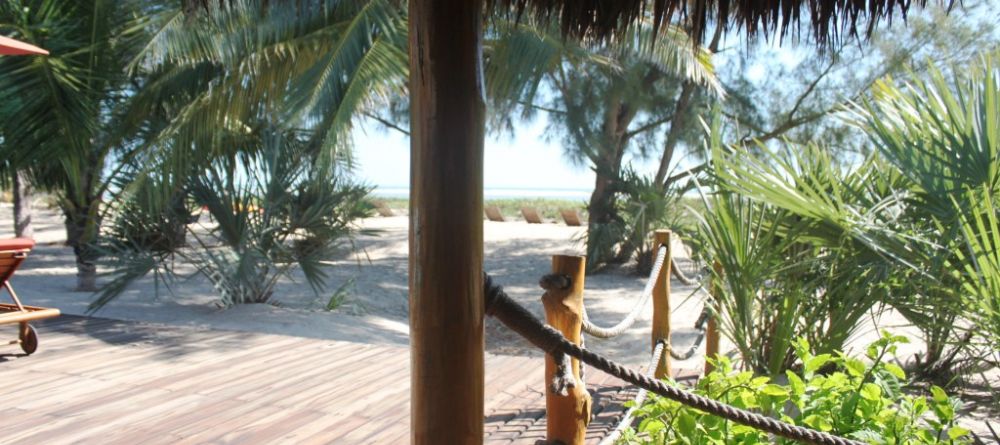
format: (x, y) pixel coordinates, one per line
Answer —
(340, 295)
(59, 113)
(644, 206)
(799, 249)
(977, 268)
(832, 393)
(313, 67)
(272, 211)
(611, 98)
(800, 96)
(942, 135)
(807, 247)
(640, 206)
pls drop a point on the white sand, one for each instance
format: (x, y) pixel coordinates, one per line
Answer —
(517, 255)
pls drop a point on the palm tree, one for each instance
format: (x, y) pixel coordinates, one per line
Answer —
(217, 84)
(134, 81)
(225, 71)
(18, 179)
(60, 110)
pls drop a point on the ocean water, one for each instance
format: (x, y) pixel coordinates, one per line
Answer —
(498, 193)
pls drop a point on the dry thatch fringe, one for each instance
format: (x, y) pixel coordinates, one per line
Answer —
(829, 20)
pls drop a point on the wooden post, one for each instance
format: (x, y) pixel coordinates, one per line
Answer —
(712, 331)
(447, 112)
(661, 303)
(567, 416)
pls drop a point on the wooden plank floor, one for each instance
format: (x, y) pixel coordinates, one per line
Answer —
(101, 381)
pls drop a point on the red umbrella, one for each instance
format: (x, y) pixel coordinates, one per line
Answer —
(11, 47)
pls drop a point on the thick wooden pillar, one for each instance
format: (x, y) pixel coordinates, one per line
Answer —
(661, 303)
(566, 416)
(446, 226)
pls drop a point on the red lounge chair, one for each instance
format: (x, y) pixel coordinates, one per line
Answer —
(12, 253)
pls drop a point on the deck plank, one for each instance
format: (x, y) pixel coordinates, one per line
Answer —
(101, 381)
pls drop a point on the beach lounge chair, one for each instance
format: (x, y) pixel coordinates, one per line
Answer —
(531, 215)
(493, 214)
(12, 253)
(383, 209)
(571, 217)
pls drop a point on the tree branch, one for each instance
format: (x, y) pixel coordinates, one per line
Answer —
(385, 122)
(648, 126)
(541, 107)
(689, 172)
(812, 86)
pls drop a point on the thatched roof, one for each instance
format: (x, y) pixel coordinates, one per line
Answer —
(829, 20)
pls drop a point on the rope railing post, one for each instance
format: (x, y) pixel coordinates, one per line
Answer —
(567, 414)
(712, 331)
(661, 304)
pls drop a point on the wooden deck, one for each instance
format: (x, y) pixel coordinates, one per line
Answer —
(101, 381)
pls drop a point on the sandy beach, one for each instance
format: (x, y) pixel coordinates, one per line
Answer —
(376, 307)
(374, 279)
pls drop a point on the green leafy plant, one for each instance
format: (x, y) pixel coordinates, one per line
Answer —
(941, 134)
(977, 267)
(802, 248)
(340, 295)
(275, 210)
(645, 206)
(861, 401)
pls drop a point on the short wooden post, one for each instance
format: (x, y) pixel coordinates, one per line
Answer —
(567, 416)
(661, 303)
(712, 331)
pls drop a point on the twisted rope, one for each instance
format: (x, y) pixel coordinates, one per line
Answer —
(518, 319)
(640, 398)
(629, 320)
(680, 275)
(699, 326)
(676, 270)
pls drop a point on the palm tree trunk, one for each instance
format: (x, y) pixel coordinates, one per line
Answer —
(81, 235)
(23, 194)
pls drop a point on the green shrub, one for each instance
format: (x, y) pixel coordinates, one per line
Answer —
(641, 205)
(941, 134)
(832, 393)
(273, 210)
(977, 268)
(799, 248)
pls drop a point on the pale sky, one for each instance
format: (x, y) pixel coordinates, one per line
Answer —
(524, 161)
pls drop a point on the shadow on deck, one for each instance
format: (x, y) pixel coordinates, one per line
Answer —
(107, 381)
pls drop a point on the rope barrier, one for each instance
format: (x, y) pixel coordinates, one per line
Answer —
(640, 398)
(676, 270)
(517, 318)
(613, 331)
(680, 275)
(699, 326)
